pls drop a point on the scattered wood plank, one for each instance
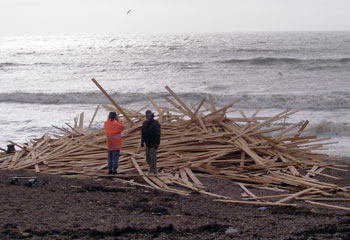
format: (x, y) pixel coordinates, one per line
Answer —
(248, 150)
(328, 205)
(255, 202)
(112, 101)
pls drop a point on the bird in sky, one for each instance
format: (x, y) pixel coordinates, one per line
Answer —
(128, 11)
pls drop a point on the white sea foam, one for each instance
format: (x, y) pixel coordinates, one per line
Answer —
(329, 101)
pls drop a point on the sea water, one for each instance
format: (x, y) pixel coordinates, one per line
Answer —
(46, 81)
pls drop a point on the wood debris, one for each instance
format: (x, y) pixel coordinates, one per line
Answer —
(195, 140)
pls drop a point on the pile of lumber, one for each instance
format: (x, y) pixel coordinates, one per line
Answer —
(196, 139)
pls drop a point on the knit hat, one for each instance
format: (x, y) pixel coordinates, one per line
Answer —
(148, 113)
(112, 115)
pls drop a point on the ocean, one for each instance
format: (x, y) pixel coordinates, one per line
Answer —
(47, 80)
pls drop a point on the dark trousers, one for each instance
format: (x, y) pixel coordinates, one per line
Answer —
(151, 157)
(113, 157)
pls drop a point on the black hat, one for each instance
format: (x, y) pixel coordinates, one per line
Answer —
(148, 113)
(112, 115)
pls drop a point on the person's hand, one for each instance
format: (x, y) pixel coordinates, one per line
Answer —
(142, 144)
(156, 146)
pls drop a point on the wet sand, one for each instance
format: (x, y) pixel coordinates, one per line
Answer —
(62, 208)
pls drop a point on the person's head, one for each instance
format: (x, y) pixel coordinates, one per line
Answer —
(149, 115)
(112, 116)
(10, 148)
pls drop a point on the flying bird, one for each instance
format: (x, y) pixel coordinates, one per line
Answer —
(128, 11)
(280, 74)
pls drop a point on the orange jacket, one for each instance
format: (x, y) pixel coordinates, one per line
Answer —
(113, 134)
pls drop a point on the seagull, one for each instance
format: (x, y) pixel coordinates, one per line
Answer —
(280, 74)
(128, 11)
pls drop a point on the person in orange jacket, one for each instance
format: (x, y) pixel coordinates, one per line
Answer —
(113, 128)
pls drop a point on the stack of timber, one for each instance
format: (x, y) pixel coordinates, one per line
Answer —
(197, 139)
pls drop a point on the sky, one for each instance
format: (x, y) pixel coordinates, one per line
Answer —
(109, 17)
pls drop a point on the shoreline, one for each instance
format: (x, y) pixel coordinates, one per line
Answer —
(345, 160)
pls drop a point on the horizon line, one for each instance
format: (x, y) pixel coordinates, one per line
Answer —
(172, 33)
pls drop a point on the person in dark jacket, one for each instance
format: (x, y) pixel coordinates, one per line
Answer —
(151, 137)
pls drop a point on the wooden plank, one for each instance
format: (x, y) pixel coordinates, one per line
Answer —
(112, 101)
(328, 205)
(139, 170)
(212, 103)
(255, 203)
(323, 199)
(196, 112)
(292, 169)
(174, 104)
(326, 175)
(81, 120)
(312, 171)
(302, 128)
(189, 112)
(295, 195)
(93, 118)
(157, 181)
(244, 146)
(75, 122)
(193, 177)
(221, 109)
(185, 178)
(156, 107)
(241, 164)
(247, 190)
(267, 197)
(255, 113)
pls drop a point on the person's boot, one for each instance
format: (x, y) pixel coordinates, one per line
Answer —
(110, 171)
(114, 171)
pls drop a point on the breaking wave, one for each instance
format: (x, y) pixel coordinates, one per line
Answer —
(11, 64)
(175, 64)
(68, 98)
(333, 129)
(322, 101)
(326, 129)
(323, 128)
(272, 60)
(334, 100)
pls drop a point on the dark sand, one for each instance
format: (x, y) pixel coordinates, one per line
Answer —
(62, 208)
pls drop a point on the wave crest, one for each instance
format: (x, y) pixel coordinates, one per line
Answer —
(322, 101)
(333, 129)
(272, 60)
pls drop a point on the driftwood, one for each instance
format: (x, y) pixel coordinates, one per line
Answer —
(195, 140)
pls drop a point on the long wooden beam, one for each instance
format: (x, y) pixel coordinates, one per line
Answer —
(189, 112)
(112, 101)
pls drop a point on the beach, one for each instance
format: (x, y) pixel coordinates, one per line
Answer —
(62, 208)
(47, 83)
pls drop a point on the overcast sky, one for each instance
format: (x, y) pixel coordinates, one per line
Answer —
(108, 17)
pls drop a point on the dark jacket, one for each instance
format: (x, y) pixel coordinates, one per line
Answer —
(150, 133)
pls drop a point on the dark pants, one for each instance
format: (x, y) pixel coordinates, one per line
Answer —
(113, 157)
(151, 157)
